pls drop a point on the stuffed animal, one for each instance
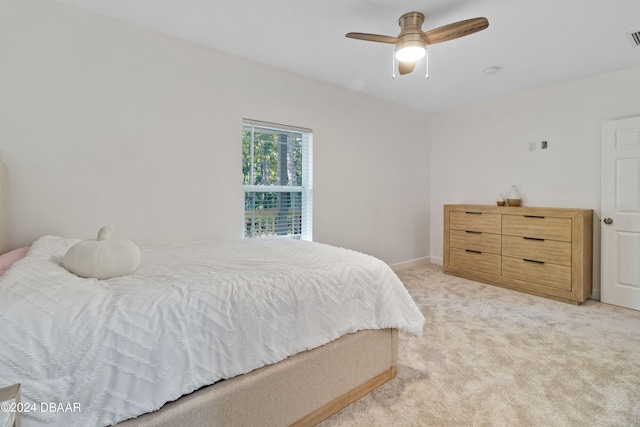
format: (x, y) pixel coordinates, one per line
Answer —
(102, 258)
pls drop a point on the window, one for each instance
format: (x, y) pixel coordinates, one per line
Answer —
(277, 180)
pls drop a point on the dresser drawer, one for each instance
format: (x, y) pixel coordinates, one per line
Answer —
(552, 275)
(475, 221)
(478, 261)
(540, 227)
(551, 251)
(475, 240)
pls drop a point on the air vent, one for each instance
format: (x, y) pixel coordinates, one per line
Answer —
(634, 36)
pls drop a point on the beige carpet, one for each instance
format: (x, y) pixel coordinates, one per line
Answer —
(494, 357)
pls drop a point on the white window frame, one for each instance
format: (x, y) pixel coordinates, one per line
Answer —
(306, 187)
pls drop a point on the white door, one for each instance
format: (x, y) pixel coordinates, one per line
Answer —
(620, 209)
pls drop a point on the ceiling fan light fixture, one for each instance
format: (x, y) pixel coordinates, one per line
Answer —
(411, 43)
(411, 51)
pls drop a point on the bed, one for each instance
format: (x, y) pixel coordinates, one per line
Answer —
(236, 333)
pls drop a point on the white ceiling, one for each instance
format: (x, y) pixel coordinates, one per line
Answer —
(535, 42)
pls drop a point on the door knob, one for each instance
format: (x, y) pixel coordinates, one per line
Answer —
(608, 221)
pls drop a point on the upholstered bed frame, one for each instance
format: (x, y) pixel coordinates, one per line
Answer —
(301, 390)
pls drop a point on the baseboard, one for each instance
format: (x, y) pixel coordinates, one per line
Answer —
(409, 264)
(437, 260)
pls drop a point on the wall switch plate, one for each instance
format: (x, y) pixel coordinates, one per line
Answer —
(532, 146)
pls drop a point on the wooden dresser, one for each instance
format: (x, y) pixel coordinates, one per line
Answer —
(541, 251)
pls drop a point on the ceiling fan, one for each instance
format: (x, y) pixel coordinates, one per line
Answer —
(411, 43)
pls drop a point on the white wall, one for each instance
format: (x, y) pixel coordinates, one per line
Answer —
(106, 123)
(479, 151)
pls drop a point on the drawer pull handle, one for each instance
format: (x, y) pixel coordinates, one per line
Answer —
(472, 251)
(534, 216)
(473, 232)
(534, 261)
(534, 238)
(473, 213)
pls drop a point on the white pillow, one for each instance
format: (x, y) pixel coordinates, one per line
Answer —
(102, 258)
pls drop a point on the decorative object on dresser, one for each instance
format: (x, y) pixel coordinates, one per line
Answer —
(541, 251)
(513, 197)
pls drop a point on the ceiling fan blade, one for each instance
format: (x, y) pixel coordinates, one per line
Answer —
(406, 67)
(455, 30)
(373, 38)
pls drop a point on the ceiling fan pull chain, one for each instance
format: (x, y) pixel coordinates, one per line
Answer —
(393, 65)
(426, 62)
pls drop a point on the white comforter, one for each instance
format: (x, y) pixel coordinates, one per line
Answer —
(192, 314)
